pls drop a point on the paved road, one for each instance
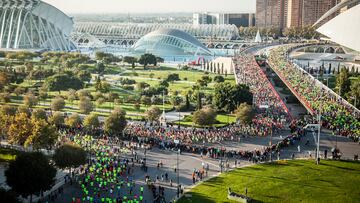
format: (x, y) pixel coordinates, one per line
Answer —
(188, 162)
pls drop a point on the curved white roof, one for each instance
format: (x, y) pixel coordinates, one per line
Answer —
(170, 41)
(344, 29)
(34, 24)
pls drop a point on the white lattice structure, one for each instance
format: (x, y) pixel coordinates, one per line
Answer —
(33, 24)
(127, 34)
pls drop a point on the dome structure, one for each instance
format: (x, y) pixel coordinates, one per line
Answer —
(34, 24)
(170, 42)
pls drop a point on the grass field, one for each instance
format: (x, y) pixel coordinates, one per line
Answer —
(151, 76)
(286, 181)
(222, 120)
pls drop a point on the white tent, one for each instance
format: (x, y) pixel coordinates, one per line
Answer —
(258, 37)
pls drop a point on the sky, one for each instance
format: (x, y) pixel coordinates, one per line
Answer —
(152, 6)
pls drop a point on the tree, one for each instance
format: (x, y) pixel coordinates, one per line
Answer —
(145, 100)
(173, 77)
(355, 91)
(57, 119)
(8, 196)
(85, 105)
(71, 95)
(83, 93)
(43, 135)
(176, 101)
(20, 129)
(91, 121)
(7, 110)
(4, 80)
(69, 156)
(147, 59)
(19, 91)
(100, 68)
(151, 75)
(30, 173)
(227, 96)
(84, 76)
(39, 114)
(116, 122)
(153, 114)
(43, 94)
(73, 121)
(187, 94)
(129, 59)
(24, 109)
(5, 97)
(30, 100)
(343, 82)
(205, 116)
(57, 104)
(100, 101)
(219, 79)
(245, 113)
(62, 82)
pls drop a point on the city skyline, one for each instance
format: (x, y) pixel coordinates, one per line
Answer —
(157, 6)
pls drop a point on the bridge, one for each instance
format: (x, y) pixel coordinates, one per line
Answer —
(289, 73)
(322, 48)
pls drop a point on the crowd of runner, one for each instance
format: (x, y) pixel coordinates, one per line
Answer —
(336, 113)
(270, 109)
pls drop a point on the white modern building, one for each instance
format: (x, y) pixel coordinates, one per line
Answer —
(237, 19)
(34, 24)
(344, 29)
(170, 42)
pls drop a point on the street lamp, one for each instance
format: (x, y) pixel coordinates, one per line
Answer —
(178, 173)
(318, 138)
(271, 142)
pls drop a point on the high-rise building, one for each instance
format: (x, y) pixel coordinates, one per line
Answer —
(271, 13)
(238, 19)
(291, 13)
(307, 12)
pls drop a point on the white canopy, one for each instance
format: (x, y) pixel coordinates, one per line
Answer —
(344, 29)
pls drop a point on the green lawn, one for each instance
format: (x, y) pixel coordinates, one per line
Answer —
(222, 120)
(286, 181)
(7, 155)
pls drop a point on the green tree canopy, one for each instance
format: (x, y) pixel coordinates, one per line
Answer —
(69, 156)
(91, 121)
(227, 96)
(62, 82)
(73, 121)
(116, 122)
(30, 173)
(43, 135)
(343, 82)
(205, 116)
(39, 114)
(57, 104)
(57, 119)
(153, 114)
(147, 59)
(245, 113)
(85, 105)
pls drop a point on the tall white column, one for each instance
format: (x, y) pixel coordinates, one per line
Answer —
(10, 29)
(16, 44)
(3, 27)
